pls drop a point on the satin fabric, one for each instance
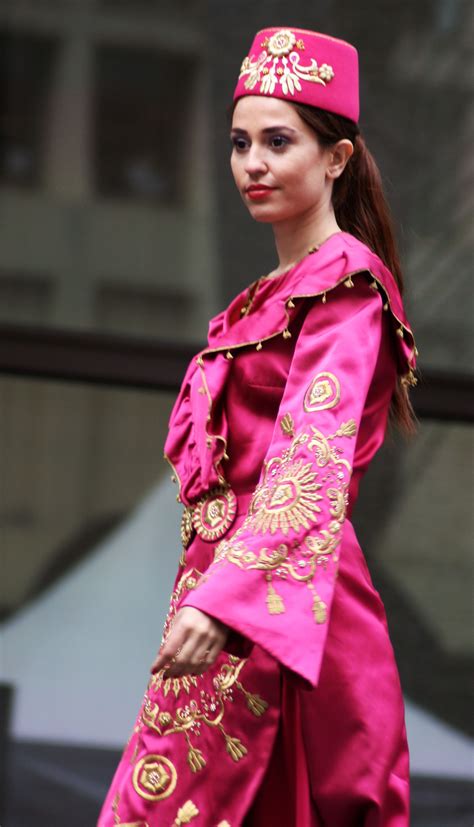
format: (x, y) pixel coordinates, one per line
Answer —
(300, 721)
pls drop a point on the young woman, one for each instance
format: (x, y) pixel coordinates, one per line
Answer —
(275, 699)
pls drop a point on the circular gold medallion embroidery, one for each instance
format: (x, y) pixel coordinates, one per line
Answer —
(323, 393)
(154, 777)
(215, 513)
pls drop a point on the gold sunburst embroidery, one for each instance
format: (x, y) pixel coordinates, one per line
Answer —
(286, 499)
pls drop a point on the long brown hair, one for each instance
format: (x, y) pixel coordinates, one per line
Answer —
(361, 209)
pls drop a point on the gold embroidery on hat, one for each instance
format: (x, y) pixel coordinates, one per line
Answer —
(279, 63)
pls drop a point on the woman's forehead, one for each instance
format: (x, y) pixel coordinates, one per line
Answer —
(256, 112)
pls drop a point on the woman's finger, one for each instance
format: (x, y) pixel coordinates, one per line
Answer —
(169, 650)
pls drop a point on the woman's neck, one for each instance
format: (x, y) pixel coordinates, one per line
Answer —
(293, 239)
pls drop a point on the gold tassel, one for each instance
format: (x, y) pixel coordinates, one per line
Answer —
(274, 602)
(319, 608)
(287, 425)
(409, 379)
(186, 813)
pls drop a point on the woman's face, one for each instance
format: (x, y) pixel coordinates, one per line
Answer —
(279, 167)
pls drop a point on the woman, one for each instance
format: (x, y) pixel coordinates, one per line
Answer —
(275, 699)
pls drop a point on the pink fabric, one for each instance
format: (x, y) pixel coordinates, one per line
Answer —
(302, 66)
(300, 722)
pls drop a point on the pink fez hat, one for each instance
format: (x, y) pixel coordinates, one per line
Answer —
(304, 67)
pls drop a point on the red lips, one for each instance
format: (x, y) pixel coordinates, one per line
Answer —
(257, 191)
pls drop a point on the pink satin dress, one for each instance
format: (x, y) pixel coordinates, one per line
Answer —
(300, 722)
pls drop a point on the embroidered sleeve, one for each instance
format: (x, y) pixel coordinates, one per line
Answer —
(273, 579)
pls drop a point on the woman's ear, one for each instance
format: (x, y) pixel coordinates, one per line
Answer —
(339, 155)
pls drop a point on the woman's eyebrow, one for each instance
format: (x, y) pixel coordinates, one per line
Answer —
(267, 131)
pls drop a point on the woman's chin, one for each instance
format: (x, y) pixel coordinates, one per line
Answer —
(264, 216)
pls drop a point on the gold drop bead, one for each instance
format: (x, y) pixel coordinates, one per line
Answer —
(349, 283)
(259, 346)
(200, 361)
(416, 351)
(400, 332)
(291, 303)
(374, 285)
(286, 334)
(173, 479)
(225, 456)
(324, 298)
(229, 355)
(385, 307)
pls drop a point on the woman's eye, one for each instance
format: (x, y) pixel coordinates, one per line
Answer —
(239, 143)
(278, 141)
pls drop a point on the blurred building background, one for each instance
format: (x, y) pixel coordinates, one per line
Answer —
(120, 235)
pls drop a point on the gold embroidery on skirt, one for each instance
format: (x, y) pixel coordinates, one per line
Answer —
(186, 813)
(208, 711)
(154, 777)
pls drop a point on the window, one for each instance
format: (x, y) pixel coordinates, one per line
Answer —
(26, 65)
(141, 105)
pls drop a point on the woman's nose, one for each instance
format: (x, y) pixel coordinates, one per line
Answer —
(255, 162)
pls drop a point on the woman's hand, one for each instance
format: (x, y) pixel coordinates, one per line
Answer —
(193, 644)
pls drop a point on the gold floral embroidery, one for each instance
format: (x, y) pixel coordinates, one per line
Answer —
(186, 813)
(154, 777)
(287, 496)
(208, 710)
(279, 63)
(323, 393)
(300, 559)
